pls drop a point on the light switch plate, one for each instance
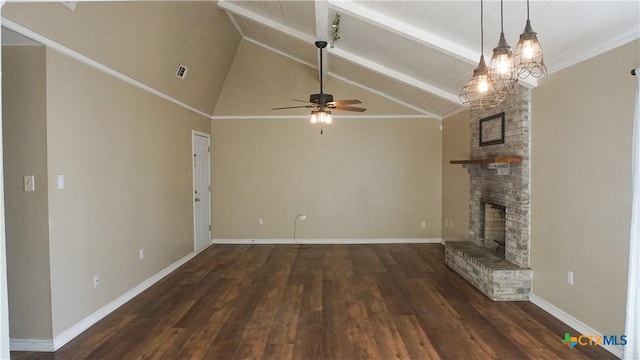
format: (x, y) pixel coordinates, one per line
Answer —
(29, 183)
(60, 182)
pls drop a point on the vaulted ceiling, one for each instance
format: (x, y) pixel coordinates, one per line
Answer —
(421, 53)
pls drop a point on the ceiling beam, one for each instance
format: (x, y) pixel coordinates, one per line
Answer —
(322, 33)
(229, 6)
(248, 14)
(413, 33)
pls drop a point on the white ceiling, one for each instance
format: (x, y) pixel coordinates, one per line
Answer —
(421, 53)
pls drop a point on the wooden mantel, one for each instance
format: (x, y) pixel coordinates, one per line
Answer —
(492, 160)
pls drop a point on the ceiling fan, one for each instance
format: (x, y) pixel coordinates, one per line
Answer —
(322, 103)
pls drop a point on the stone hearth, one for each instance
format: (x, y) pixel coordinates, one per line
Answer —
(499, 177)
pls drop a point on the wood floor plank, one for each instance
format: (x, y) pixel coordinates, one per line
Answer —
(397, 301)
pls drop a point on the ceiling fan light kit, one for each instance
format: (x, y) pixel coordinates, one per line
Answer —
(322, 103)
(322, 117)
(490, 85)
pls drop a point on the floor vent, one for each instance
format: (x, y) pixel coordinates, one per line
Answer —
(181, 73)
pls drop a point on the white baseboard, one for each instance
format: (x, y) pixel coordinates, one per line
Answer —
(31, 345)
(581, 327)
(329, 241)
(69, 334)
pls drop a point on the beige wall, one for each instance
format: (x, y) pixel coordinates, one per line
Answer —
(26, 213)
(144, 40)
(455, 178)
(361, 179)
(126, 158)
(581, 155)
(125, 153)
(364, 178)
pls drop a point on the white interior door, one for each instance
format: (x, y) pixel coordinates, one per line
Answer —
(201, 190)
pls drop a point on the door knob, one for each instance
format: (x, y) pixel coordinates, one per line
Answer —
(197, 199)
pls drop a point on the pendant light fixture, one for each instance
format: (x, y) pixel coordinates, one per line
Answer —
(480, 92)
(528, 56)
(501, 67)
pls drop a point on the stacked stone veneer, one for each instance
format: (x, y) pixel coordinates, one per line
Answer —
(508, 279)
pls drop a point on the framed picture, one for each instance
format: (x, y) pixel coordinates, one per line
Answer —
(492, 130)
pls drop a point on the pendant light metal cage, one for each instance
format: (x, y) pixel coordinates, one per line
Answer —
(480, 92)
(502, 67)
(528, 55)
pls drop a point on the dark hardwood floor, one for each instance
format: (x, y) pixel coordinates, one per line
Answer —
(322, 302)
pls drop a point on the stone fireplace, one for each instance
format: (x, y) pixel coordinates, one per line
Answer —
(496, 257)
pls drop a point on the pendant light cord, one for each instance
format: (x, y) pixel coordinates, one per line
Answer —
(481, 29)
(527, 9)
(501, 18)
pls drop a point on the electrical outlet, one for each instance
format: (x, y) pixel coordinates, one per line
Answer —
(260, 221)
(423, 224)
(302, 217)
(141, 254)
(570, 277)
(96, 280)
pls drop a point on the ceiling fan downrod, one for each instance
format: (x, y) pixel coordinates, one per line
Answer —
(321, 45)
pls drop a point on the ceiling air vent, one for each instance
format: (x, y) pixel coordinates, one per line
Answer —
(181, 73)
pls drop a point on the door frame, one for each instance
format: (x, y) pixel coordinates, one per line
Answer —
(195, 133)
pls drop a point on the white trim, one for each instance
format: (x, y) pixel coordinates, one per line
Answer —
(330, 241)
(96, 65)
(578, 325)
(5, 342)
(32, 345)
(101, 313)
(588, 51)
(341, 117)
(233, 21)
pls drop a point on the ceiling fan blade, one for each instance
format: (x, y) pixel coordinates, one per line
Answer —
(304, 101)
(345, 102)
(293, 107)
(349, 108)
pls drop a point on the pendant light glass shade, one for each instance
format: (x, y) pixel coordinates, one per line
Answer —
(528, 56)
(480, 92)
(502, 67)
